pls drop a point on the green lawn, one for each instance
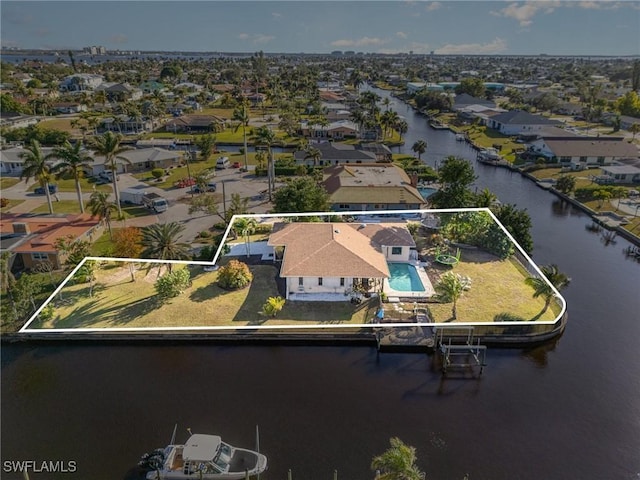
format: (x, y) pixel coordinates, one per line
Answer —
(6, 182)
(69, 185)
(11, 203)
(103, 246)
(582, 177)
(63, 206)
(118, 302)
(497, 286)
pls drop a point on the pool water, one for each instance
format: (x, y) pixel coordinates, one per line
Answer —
(426, 192)
(404, 278)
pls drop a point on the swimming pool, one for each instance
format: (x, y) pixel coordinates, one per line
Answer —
(404, 278)
(426, 192)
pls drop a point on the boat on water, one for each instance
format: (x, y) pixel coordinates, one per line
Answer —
(490, 155)
(206, 457)
(460, 137)
(437, 125)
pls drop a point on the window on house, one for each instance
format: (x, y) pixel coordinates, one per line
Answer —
(342, 281)
(396, 250)
(583, 159)
(601, 160)
(39, 256)
(300, 281)
(320, 281)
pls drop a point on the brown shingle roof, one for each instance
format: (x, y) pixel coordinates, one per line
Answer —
(327, 250)
(591, 147)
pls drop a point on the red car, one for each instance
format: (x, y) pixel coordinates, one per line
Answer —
(236, 165)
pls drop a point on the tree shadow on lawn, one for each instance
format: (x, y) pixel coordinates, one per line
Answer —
(95, 311)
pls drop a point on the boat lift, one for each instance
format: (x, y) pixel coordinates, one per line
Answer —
(468, 355)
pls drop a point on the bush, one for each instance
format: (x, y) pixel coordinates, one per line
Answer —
(234, 275)
(273, 305)
(173, 284)
(3, 202)
(157, 173)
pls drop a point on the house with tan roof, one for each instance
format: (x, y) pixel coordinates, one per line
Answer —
(582, 152)
(194, 124)
(327, 261)
(373, 186)
(32, 238)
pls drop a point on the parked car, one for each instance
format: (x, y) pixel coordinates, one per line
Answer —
(236, 165)
(210, 187)
(40, 190)
(222, 163)
(107, 175)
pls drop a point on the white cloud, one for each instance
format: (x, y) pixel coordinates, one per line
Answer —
(243, 36)
(600, 5)
(276, 15)
(360, 42)
(524, 12)
(498, 45)
(401, 34)
(433, 6)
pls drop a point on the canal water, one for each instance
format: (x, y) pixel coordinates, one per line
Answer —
(566, 410)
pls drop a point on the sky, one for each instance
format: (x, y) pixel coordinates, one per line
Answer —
(602, 27)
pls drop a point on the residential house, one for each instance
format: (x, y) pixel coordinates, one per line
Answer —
(519, 122)
(11, 162)
(583, 152)
(627, 174)
(79, 82)
(327, 261)
(121, 92)
(126, 125)
(366, 187)
(32, 238)
(334, 130)
(465, 100)
(335, 154)
(138, 160)
(195, 124)
(380, 150)
(69, 107)
(11, 120)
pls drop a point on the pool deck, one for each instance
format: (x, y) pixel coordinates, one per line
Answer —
(424, 278)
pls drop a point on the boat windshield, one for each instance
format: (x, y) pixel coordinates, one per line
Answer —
(223, 457)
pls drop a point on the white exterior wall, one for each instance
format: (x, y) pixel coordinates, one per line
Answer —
(402, 257)
(310, 285)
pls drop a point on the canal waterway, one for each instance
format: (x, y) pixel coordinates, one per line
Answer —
(566, 410)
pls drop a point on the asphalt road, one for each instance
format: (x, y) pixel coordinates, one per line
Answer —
(244, 184)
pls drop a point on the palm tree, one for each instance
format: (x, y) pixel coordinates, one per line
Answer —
(397, 463)
(486, 198)
(241, 115)
(450, 289)
(419, 147)
(35, 166)
(542, 288)
(313, 153)
(634, 129)
(265, 136)
(108, 146)
(99, 205)
(72, 159)
(245, 227)
(402, 127)
(160, 241)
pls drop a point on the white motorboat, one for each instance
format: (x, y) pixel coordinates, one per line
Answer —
(207, 457)
(460, 137)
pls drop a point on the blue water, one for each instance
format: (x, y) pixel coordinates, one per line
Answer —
(426, 192)
(404, 278)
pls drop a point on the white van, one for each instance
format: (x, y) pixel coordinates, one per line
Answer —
(222, 163)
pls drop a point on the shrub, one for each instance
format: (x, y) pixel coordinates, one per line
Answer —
(157, 173)
(173, 284)
(273, 305)
(234, 275)
(3, 202)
